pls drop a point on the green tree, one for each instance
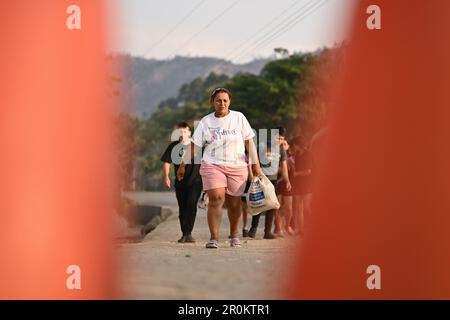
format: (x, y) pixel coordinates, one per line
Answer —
(289, 92)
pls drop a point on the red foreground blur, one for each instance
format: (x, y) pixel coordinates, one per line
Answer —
(54, 187)
(382, 196)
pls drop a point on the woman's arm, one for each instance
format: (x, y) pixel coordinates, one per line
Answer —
(250, 173)
(253, 157)
(285, 174)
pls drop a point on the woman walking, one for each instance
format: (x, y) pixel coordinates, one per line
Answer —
(225, 135)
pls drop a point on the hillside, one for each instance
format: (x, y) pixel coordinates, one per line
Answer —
(147, 82)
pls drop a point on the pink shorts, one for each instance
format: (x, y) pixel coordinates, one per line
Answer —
(215, 176)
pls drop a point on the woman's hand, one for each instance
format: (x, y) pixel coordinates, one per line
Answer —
(256, 169)
(288, 186)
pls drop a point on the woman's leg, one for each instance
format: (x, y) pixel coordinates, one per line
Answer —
(278, 218)
(306, 208)
(216, 200)
(295, 213)
(300, 215)
(287, 213)
(234, 214)
(244, 215)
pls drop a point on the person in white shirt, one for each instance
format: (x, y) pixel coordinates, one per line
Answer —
(225, 136)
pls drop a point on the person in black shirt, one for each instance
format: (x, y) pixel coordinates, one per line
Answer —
(187, 190)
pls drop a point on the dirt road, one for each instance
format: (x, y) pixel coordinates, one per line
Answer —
(161, 268)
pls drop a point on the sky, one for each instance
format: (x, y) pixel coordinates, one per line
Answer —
(236, 30)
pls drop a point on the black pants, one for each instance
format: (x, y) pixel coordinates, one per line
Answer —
(187, 198)
(270, 215)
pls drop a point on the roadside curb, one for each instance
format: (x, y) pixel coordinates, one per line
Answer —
(140, 220)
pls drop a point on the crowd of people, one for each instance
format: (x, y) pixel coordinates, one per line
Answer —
(221, 159)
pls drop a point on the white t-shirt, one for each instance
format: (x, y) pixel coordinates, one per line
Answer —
(223, 138)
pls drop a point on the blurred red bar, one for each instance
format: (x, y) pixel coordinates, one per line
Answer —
(54, 131)
(383, 194)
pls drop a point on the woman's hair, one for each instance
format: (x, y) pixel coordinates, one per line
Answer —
(216, 91)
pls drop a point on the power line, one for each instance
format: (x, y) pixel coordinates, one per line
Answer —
(281, 26)
(233, 52)
(156, 43)
(294, 23)
(247, 45)
(300, 17)
(204, 28)
(245, 48)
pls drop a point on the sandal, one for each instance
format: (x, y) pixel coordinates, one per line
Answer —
(212, 244)
(235, 242)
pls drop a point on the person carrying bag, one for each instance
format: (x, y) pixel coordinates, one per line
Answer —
(272, 160)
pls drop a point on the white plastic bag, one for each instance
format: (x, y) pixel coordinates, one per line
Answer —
(261, 196)
(203, 201)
